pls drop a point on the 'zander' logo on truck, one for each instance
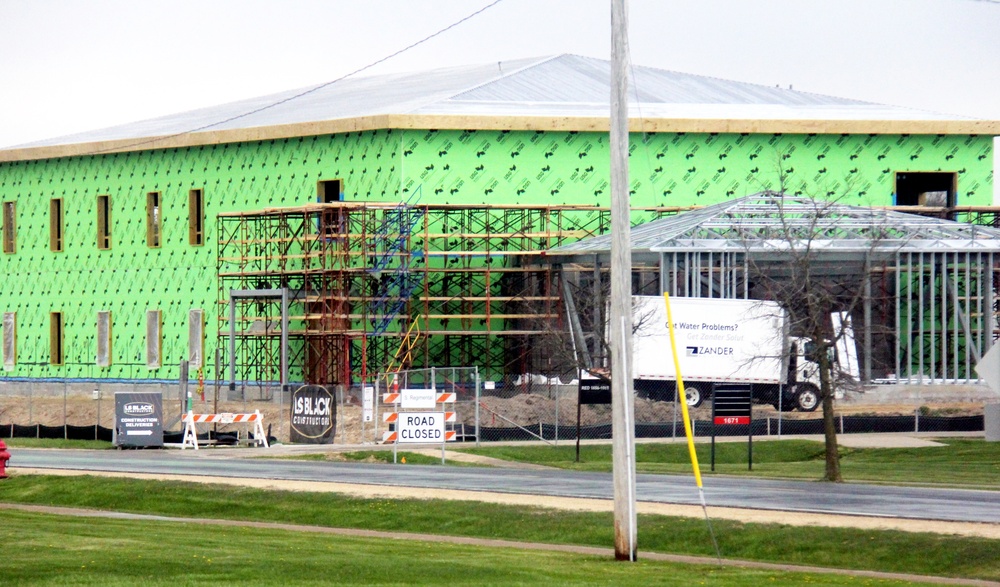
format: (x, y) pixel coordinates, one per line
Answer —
(700, 351)
(139, 409)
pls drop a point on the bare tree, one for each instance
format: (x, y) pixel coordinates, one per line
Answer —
(580, 341)
(815, 263)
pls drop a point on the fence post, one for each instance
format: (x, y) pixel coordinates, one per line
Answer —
(916, 420)
(182, 386)
(674, 431)
(376, 400)
(477, 406)
(558, 391)
(781, 400)
(65, 426)
(340, 411)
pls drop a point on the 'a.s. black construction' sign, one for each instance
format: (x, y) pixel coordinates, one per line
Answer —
(595, 391)
(731, 404)
(138, 419)
(314, 415)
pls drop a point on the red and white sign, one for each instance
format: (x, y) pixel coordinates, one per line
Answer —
(420, 428)
(724, 420)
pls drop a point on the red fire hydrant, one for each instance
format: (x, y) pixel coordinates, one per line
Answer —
(4, 457)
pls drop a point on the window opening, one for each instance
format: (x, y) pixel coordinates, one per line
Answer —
(56, 225)
(918, 188)
(103, 222)
(196, 217)
(9, 228)
(104, 339)
(154, 345)
(9, 340)
(56, 338)
(153, 219)
(196, 339)
(330, 190)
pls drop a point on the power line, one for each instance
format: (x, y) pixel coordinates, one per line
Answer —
(304, 92)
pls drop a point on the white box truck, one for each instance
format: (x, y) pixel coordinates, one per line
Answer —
(722, 341)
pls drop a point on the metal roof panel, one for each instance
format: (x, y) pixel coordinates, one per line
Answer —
(560, 86)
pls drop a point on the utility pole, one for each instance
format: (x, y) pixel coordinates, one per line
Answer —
(620, 314)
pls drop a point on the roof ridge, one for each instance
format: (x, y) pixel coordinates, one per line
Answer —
(533, 64)
(761, 85)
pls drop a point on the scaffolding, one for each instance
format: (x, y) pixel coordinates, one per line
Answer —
(362, 278)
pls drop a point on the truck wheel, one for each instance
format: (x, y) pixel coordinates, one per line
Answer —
(806, 397)
(693, 395)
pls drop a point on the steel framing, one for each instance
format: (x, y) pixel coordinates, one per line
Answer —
(930, 284)
(358, 274)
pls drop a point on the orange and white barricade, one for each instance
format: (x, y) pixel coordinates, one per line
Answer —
(190, 437)
(395, 397)
(392, 417)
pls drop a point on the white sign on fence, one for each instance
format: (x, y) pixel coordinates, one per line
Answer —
(418, 399)
(368, 403)
(420, 427)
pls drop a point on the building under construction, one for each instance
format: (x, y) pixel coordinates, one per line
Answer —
(119, 244)
(372, 287)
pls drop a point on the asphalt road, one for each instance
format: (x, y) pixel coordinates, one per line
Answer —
(852, 499)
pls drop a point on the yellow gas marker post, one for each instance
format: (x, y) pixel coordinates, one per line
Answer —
(682, 399)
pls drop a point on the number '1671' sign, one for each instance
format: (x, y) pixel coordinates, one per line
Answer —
(731, 405)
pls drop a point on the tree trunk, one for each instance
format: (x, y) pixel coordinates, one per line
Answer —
(829, 424)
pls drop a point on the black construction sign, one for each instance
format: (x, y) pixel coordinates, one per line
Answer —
(314, 415)
(595, 391)
(138, 419)
(731, 404)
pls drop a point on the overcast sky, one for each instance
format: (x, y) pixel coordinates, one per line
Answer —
(75, 65)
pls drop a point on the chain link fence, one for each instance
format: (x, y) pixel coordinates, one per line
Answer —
(84, 408)
(463, 382)
(519, 408)
(539, 408)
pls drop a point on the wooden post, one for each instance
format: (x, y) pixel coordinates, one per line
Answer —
(620, 319)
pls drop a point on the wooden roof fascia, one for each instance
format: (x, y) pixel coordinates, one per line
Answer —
(512, 123)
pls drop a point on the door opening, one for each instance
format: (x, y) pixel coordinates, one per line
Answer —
(919, 188)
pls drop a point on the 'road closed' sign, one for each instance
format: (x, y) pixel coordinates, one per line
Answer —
(420, 427)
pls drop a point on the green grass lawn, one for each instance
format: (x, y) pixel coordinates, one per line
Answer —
(961, 462)
(55, 550)
(56, 443)
(890, 551)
